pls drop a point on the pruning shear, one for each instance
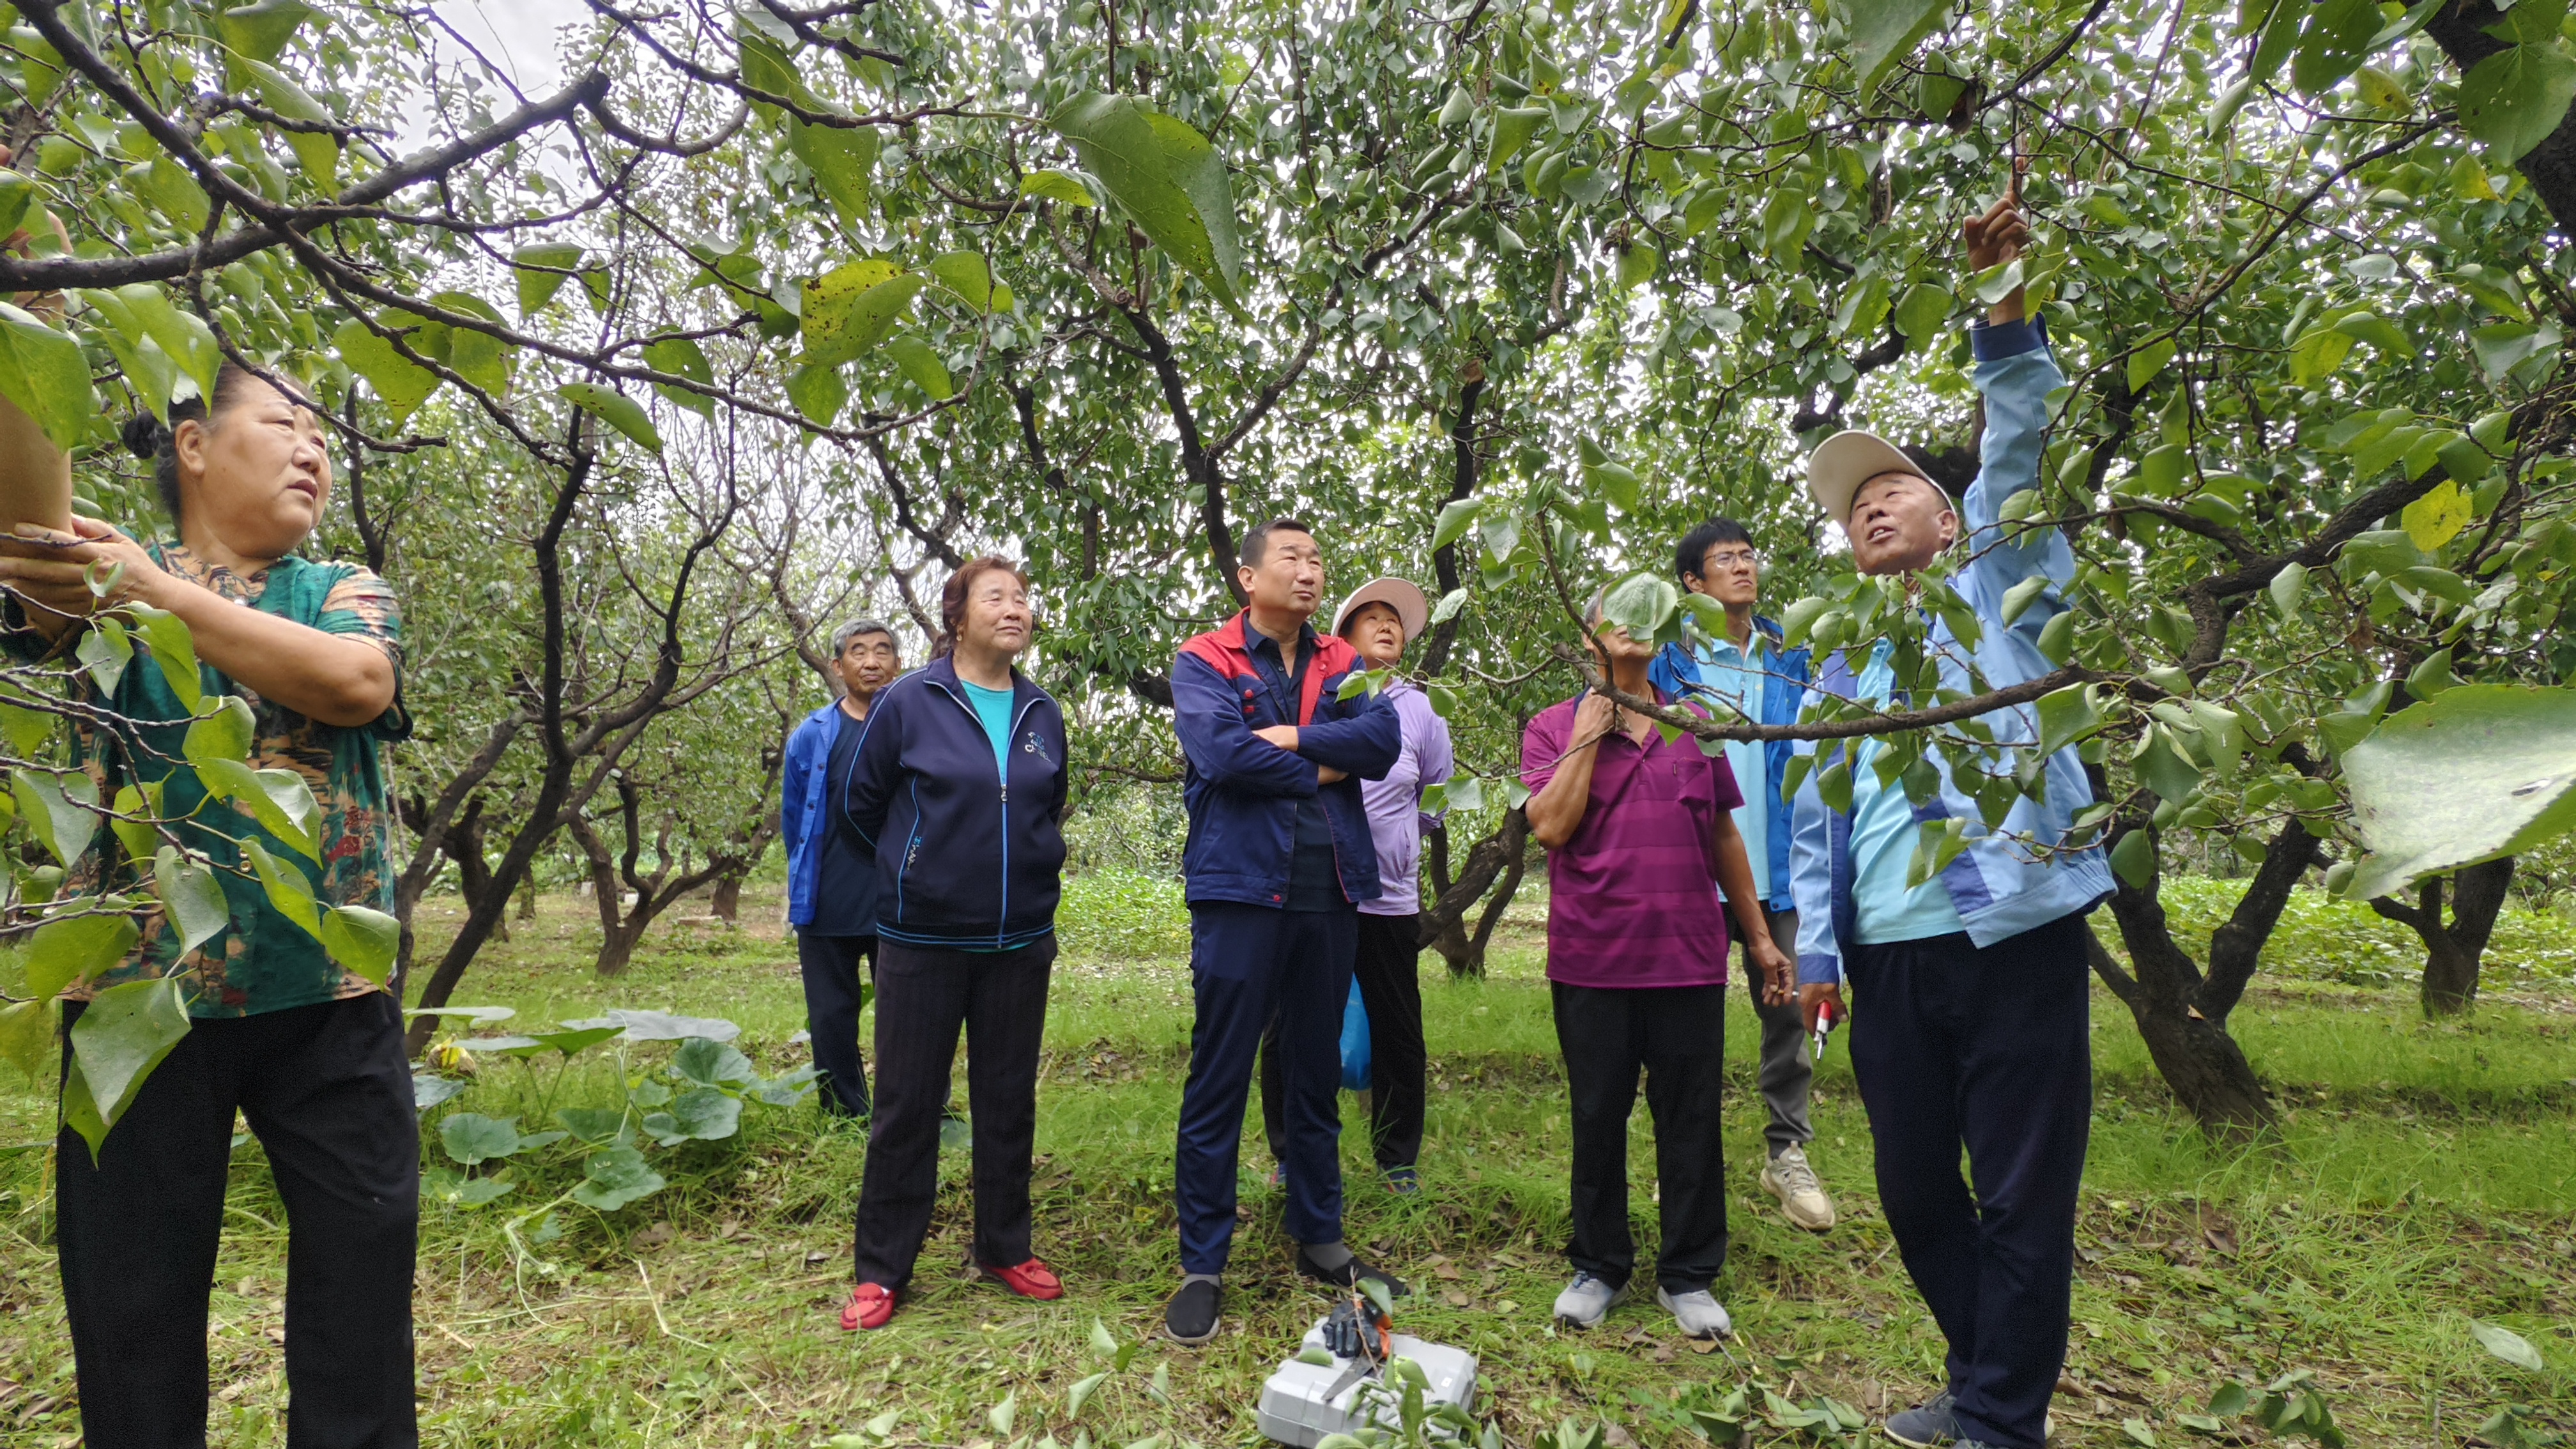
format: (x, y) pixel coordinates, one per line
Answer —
(1824, 1026)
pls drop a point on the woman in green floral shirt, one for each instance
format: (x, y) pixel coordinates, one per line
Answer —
(311, 1054)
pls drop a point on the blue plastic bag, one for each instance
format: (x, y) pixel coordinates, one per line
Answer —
(1355, 1043)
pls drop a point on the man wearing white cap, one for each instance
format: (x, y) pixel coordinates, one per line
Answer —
(1972, 987)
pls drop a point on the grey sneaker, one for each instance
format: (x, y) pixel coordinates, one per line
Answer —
(1586, 1301)
(1699, 1314)
(1789, 1178)
(1925, 1425)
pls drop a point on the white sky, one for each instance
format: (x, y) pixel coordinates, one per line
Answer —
(517, 35)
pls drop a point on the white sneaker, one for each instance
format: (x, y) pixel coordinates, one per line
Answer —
(1789, 1178)
(1586, 1301)
(1699, 1314)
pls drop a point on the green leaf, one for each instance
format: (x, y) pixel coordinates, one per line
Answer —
(1998, 282)
(2482, 771)
(2230, 1400)
(260, 31)
(1642, 604)
(1922, 311)
(278, 799)
(712, 1063)
(288, 889)
(920, 362)
(2148, 361)
(2431, 676)
(1637, 264)
(2066, 716)
(700, 1114)
(403, 384)
(2337, 35)
(2230, 101)
(543, 268)
(56, 807)
(2503, 347)
(841, 158)
(363, 940)
(123, 1034)
(318, 154)
(2019, 598)
(166, 187)
(1513, 126)
(2506, 1344)
(2515, 98)
(75, 948)
(1061, 186)
(2465, 460)
(1455, 519)
(2376, 330)
(43, 372)
(1786, 219)
(2161, 766)
(2287, 587)
(1884, 32)
(1165, 176)
(1081, 1392)
(968, 276)
(225, 733)
(191, 898)
(174, 652)
(2057, 637)
(2161, 471)
(818, 392)
(616, 409)
(473, 1139)
(682, 357)
(1616, 482)
(27, 1038)
(849, 309)
(2436, 518)
(2133, 859)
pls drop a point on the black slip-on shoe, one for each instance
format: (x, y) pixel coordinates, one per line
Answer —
(1191, 1317)
(1349, 1274)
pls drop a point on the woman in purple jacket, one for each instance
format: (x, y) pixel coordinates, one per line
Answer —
(1379, 619)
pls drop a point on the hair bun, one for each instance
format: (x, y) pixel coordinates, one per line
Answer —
(145, 435)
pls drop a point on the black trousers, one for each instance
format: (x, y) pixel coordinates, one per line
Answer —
(923, 996)
(1989, 1048)
(830, 966)
(327, 1090)
(1676, 1036)
(1387, 969)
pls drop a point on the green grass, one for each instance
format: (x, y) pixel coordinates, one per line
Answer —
(2422, 1176)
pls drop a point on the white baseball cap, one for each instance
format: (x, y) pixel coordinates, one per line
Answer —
(1412, 610)
(1848, 459)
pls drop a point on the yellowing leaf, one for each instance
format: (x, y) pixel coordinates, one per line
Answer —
(2436, 518)
(849, 309)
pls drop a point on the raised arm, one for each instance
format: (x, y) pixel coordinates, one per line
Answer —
(1556, 764)
(35, 476)
(2016, 373)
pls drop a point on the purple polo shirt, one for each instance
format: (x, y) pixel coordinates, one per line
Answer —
(1632, 898)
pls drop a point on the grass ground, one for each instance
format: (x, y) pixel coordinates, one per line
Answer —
(2423, 1177)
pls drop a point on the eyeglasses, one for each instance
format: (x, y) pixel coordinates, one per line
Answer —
(1734, 556)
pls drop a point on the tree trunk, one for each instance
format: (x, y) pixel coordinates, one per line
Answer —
(2182, 1014)
(2550, 167)
(726, 904)
(2453, 950)
(1498, 857)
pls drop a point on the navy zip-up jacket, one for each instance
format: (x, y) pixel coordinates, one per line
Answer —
(968, 857)
(1242, 792)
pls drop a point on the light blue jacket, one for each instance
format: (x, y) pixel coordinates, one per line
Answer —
(1784, 690)
(1997, 889)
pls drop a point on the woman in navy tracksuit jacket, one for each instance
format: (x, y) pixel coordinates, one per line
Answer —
(960, 785)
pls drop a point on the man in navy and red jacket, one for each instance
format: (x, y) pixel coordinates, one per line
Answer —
(1279, 857)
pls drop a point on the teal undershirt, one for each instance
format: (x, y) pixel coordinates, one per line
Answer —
(1882, 842)
(993, 707)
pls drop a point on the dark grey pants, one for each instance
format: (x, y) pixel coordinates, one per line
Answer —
(1786, 1072)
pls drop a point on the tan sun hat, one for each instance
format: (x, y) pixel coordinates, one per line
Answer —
(1412, 610)
(1848, 459)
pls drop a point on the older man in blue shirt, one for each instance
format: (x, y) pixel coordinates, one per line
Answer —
(1972, 986)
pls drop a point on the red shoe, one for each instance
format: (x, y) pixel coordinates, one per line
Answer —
(1032, 1279)
(870, 1305)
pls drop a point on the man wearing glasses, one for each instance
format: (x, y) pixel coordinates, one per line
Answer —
(1748, 674)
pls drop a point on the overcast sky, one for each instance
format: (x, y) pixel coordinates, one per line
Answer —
(518, 35)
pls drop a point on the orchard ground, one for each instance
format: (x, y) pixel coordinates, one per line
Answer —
(2422, 1178)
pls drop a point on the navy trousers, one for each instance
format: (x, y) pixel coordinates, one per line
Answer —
(1248, 963)
(830, 966)
(1989, 1048)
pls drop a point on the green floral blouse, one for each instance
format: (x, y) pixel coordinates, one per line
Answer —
(263, 961)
